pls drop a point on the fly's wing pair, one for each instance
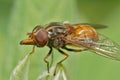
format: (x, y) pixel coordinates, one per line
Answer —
(104, 46)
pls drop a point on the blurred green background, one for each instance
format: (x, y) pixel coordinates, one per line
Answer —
(17, 17)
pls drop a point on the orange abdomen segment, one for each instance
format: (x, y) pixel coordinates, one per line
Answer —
(84, 32)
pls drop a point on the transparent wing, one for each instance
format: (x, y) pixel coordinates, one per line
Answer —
(104, 46)
(96, 26)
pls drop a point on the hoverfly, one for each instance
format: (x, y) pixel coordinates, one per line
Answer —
(58, 35)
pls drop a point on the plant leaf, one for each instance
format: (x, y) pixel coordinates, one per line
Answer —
(60, 74)
(20, 72)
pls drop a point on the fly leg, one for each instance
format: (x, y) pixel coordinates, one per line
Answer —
(51, 59)
(66, 56)
(74, 50)
(45, 58)
(33, 50)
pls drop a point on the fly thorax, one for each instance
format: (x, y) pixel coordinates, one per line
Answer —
(56, 42)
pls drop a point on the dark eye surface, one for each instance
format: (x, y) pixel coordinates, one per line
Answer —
(41, 37)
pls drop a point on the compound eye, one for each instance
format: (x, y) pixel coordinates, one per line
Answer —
(41, 37)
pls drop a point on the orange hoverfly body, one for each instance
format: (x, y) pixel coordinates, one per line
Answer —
(58, 35)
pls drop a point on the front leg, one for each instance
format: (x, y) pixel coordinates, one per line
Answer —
(45, 58)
